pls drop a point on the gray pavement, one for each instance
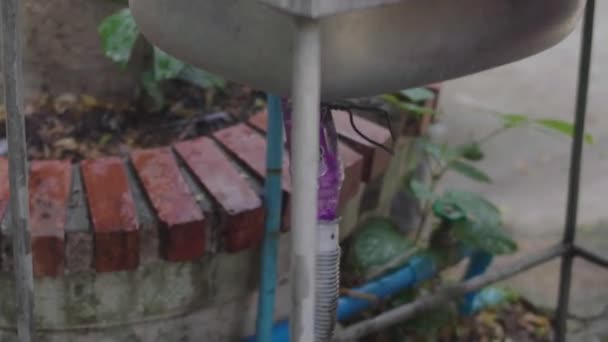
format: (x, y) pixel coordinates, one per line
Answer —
(530, 168)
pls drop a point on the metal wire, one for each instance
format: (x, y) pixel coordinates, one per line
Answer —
(575, 171)
(349, 107)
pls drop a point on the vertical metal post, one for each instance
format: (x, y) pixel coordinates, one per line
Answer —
(18, 171)
(304, 168)
(575, 171)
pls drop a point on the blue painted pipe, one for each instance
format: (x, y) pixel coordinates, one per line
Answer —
(478, 264)
(272, 199)
(418, 269)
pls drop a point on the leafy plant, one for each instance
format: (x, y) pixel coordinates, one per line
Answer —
(119, 35)
(468, 217)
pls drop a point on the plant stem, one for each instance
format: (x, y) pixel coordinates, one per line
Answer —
(436, 178)
(492, 134)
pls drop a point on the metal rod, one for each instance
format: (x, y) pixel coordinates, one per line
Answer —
(272, 199)
(18, 171)
(576, 155)
(304, 168)
(590, 256)
(404, 312)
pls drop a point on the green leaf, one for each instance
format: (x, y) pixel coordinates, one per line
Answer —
(421, 190)
(476, 207)
(488, 238)
(375, 243)
(513, 120)
(448, 211)
(417, 109)
(152, 89)
(418, 95)
(166, 67)
(406, 106)
(201, 78)
(482, 227)
(436, 151)
(471, 151)
(470, 171)
(118, 34)
(562, 127)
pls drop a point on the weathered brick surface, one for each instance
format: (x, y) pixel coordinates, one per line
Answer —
(79, 244)
(113, 214)
(375, 159)
(182, 222)
(49, 188)
(149, 227)
(249, 148)
(240, 205)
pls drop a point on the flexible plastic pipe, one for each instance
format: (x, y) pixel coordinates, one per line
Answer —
(418, 269)
(327, 257)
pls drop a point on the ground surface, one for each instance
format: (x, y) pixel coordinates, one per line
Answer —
(530, 169)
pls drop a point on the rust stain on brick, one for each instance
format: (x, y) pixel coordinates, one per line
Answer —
(242, 207)
(49, 188)
(183, 225)
(375, 160)
(113, 214)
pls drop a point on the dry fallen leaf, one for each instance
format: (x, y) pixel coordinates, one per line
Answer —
(66, 144)
(64, 102)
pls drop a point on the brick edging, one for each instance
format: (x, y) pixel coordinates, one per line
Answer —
(175, 203)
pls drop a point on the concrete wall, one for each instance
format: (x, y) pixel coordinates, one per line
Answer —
(62, 50)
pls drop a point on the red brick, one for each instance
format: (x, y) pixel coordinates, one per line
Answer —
(259, 120)
(375, 159)
(250, 149)
(183, 225)
(113, 214)
(49, 188)
(242, 208)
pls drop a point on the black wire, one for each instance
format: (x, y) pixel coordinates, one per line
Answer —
(349, 109)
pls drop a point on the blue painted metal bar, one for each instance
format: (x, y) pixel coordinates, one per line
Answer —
(272, 199)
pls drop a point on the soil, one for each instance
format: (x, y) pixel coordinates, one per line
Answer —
(518, 321)
(75, 127)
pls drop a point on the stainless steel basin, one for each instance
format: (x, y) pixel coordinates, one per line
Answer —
(382, 46)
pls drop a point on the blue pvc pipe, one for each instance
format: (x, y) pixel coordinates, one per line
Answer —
(418, 269)
(478, 264)
(272, 199)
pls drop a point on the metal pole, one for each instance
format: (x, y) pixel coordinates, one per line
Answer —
(18, 171)
(304, 168)
(273, 199)
(575, 171)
